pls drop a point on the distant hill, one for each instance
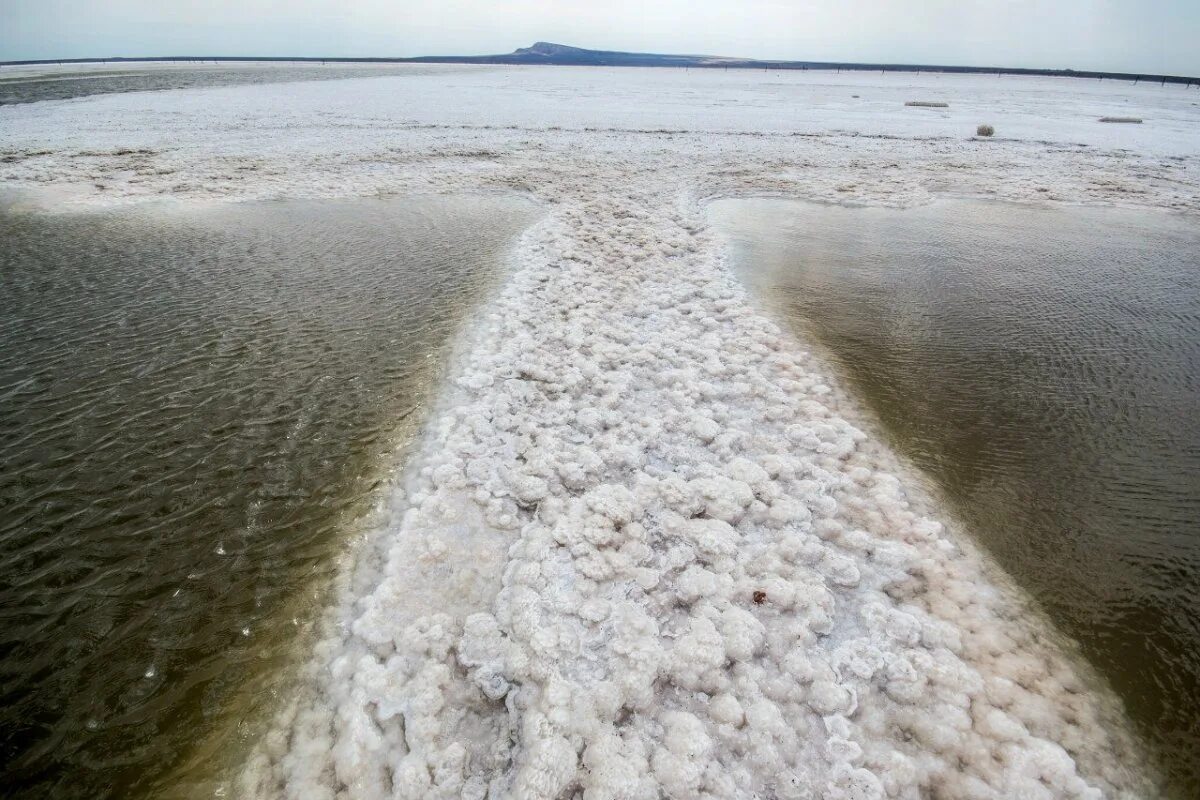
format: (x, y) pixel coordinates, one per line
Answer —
(565, 55)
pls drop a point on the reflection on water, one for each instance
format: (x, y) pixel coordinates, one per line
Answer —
(30, 85)
(1043, 366)
(193, 403)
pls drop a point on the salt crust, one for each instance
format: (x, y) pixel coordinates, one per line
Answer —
(561, 601)
(564, 604)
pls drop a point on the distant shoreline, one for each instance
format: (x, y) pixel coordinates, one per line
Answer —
(560, 55)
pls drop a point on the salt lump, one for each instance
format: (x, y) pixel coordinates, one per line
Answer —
(645, 555)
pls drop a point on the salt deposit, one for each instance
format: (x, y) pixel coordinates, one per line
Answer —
(646, 550)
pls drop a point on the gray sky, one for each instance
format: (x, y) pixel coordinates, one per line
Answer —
(1117, 35)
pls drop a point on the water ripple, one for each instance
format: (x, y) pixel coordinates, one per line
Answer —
(1043, 365)
(193, 405)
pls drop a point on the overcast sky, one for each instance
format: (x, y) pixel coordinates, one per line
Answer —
(1120, 35)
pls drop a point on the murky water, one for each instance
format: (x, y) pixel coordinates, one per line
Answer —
(1043, 366)
(195, 405)
(20, 84)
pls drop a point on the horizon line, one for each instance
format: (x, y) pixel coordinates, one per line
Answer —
(522, 57)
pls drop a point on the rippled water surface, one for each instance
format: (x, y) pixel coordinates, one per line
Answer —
(195, 405)
(1043, 366)
(21, 84)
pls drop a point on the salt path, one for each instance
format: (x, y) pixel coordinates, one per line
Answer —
(647, 547)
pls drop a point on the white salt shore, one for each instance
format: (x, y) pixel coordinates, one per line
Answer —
(646, 550)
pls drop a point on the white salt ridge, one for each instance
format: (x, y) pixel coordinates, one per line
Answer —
(565, 606)
(562, 602)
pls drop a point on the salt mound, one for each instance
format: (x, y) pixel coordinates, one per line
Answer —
(645, 554)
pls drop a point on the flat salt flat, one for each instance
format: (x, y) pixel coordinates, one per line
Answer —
(562, 599)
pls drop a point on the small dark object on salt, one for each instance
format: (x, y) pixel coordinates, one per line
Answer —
(760, 597)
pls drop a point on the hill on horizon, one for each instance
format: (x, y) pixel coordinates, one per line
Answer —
(552, 53)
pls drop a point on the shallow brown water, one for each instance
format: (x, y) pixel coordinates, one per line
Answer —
(196, 404)
(1042, 365)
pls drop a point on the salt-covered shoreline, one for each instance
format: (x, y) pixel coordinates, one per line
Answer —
(643, 550)
(567, 602)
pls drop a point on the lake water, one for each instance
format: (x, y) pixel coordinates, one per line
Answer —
(196, 404)
(28, 84)
(1042, 366)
